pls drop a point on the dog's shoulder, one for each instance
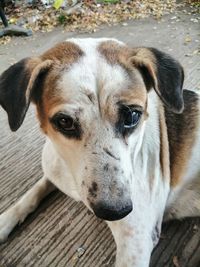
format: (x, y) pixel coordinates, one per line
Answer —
(182, 132)
(179, 124)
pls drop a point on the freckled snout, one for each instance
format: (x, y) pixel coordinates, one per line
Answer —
(109, 193)
(111, 213)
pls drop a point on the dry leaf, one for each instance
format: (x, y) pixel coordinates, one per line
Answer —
(175, 261)
(188, 39)
(88, 15)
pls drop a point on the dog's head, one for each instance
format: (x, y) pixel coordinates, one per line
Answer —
(91, 97)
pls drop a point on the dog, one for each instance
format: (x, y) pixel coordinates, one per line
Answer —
(122, 136)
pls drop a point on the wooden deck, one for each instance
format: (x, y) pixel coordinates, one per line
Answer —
(64, 233)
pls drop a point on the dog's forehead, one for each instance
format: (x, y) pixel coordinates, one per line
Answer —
(92, 70)
(99, 71)
(95, 74)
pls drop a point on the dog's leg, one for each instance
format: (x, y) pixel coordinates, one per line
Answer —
(19, 211)
(185, 202)
(134, 243)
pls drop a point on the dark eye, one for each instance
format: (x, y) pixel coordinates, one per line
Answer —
(129, 117)
(66, 125)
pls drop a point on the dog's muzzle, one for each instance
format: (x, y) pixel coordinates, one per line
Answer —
(110, 213)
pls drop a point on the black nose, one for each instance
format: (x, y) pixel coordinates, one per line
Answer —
(110, 213)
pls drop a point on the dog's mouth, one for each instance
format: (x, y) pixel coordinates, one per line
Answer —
(110, 213)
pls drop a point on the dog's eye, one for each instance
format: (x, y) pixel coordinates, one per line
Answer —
(129, 117)
(66, 125)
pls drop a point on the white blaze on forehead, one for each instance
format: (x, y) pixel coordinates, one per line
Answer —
(89, 45)
(92, 71)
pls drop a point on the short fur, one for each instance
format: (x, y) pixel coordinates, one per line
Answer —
(133, 177)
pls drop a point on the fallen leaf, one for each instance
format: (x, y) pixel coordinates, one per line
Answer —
(175, 261)
(188, 39)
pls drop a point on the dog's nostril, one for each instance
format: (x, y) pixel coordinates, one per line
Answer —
(111, 213)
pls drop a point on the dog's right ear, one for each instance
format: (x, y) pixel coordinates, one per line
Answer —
(17, 86)
(163, 73)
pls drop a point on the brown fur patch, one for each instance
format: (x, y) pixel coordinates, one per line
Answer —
(49, 98)
(32, 63)
(182, 130)
(128, 58)
(62, 55)
(37, 68)
(144, 54)
(164, 145)
(65, 52)
(113, 51)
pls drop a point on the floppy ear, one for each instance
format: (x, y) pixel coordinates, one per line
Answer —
(17, 86)
(163, 73)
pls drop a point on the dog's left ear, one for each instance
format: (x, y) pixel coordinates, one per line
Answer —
(163, 73)
(17, 86)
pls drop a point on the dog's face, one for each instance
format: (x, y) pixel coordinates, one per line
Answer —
(92, 99)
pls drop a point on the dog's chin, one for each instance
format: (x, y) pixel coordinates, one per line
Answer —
(111, 214)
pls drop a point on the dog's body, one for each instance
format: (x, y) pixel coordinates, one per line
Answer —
(111, 142)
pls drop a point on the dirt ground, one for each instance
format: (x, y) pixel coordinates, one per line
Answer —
(62, 232)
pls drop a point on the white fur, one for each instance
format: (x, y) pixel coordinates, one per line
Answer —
(64, 161)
